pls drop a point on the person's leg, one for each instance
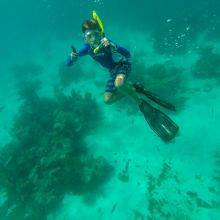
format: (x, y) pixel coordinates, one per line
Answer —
(111, 94)
(118, 87)
(126, 88)
(112, 97)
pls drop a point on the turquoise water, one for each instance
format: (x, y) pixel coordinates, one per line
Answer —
(66, 155)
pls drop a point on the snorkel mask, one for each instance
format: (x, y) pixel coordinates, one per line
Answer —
(93, 37)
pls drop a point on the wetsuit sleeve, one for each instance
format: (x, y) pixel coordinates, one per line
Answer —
(123, 51)
(82, 52)
(69, 61)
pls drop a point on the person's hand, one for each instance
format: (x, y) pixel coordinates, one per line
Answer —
(106, 43)
(73, 56)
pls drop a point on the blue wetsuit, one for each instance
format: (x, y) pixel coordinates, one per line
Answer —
(107, 59)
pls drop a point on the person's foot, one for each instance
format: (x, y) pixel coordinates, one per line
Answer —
(138, 87)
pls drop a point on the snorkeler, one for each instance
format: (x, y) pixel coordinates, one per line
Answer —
(117, 60)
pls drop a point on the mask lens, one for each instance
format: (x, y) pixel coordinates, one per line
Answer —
(92, 34)
(88, 36)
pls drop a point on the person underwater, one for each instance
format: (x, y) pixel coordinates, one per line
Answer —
(117, 60)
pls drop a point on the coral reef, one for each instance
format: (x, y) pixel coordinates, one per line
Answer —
(138, 215)
(165, 79)
(208, 64)
(47, 156)
(168, 198)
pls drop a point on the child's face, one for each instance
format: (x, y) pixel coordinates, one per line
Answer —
(93, 38)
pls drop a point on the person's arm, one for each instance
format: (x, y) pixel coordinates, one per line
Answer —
(73, 56)
(123, 51)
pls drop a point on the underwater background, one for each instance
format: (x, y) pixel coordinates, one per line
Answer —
(66, 155)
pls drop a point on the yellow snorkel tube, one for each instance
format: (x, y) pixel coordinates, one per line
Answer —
(99, 21)
(101, 27)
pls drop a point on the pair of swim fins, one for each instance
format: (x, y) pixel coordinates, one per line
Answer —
(159, 122)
